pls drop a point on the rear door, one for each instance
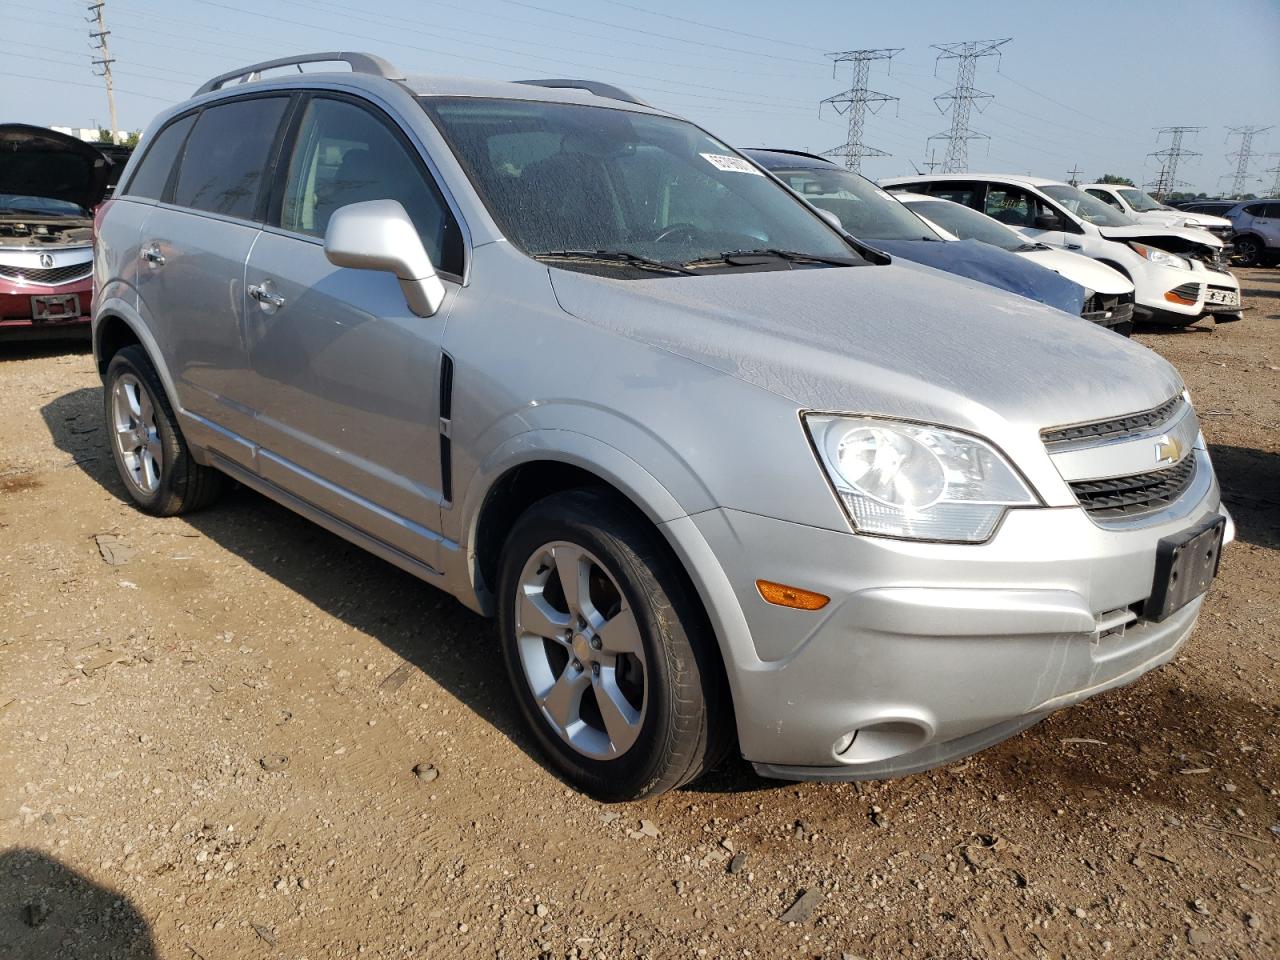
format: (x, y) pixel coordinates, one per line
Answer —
(193, 251)
(346, 379)
(1267, 223)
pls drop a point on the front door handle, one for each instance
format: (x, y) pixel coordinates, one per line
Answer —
(265, 295)
(153, 255)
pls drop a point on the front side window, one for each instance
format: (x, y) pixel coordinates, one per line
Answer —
(1106, 197)
(225, 163)
(564, 178)
(157, 163)
(1087, 208)
(864, 209)
(345, 154)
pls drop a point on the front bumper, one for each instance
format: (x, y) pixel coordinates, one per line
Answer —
(1180, 296)
(16, 315)
(933, 651)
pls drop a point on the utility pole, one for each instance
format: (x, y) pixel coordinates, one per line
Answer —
(1242, 156)
(1169, 159)
(856, 101)
(963, 96)
(1073, 175)
(98, 34)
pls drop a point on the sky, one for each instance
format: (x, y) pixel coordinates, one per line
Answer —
(1079, 84)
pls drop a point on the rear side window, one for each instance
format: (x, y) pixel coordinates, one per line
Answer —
(345, 154)
(225, 162)
(1271, 210)
(1253, 210)
(968, 194)
(153, 171)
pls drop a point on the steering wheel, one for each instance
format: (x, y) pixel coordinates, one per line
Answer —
(674, 230)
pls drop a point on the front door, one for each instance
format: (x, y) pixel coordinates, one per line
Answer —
(345, 379)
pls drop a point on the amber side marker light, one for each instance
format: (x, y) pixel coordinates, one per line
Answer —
(1178, 298)
(785, 596)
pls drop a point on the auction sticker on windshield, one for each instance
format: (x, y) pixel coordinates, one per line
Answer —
(732, 164)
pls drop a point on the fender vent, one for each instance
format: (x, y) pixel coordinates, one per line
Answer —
(446, 427)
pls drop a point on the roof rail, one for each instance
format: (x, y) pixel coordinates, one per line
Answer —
(359, 62)
(591, 86)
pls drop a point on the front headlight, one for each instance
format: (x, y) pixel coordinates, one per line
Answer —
(1162, 257)
(916, 482)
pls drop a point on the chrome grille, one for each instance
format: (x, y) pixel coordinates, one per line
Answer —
(49, 276)
(1136, 495)
(1115, 428)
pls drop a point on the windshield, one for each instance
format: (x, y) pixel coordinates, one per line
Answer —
(560, 178)
(967, 223)
(864, 209)
(11, 204)
(1140, 201)
(1085, 207)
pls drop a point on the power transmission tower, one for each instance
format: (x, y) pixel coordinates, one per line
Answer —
(963, 96)
(1073, 175)
(1241, 156)
(1275, 184)
(1169, 159)
(855, 102)
(98, 33)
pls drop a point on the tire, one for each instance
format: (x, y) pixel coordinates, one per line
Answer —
(1248, 250)
(679, 724)
(151, 456)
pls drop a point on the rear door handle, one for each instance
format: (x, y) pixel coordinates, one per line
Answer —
(263, 293)
(153, 255)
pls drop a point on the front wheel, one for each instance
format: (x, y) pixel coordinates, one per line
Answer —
(609, 656)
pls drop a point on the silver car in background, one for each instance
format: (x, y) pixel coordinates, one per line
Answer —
(722, 481)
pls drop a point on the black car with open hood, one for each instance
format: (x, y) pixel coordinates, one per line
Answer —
(42, 163)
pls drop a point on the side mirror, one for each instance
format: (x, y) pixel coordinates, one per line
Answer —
(1048, 221)
(831, 218)
(378, 235)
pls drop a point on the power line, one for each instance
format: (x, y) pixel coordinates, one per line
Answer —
(717, 27)
(855, 102)
(99, 37)
(1167, 179)
(651, 33)
(963, 96)
(1275, 185)
(1242, 156)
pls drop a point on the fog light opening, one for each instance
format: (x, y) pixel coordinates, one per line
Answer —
(882, 741)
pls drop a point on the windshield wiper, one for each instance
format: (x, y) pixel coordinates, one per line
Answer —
(614, 256)
(791, 256)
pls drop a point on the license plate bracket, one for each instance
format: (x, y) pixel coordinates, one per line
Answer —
(1185, 566)
(55, 306)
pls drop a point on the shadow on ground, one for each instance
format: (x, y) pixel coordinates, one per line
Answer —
(65, 345)
(1250, 481)
(52, 912)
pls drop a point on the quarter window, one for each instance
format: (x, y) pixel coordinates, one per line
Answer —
(225, 161)
(344, 154)
(157, 163)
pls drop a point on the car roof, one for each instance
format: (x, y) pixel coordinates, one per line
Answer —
(902, 196)
(1022, 179)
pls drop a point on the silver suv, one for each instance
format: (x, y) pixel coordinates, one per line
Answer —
(722, 475)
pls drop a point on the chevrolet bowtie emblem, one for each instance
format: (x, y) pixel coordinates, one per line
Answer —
(1168, 450)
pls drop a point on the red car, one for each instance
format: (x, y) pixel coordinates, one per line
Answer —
(49, 186)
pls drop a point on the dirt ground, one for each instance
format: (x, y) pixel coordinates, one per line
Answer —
(209, 727)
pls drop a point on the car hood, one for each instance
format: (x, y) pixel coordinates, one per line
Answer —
(991, 265)
(1205, 220)
(1153, 232)
(37, 162)
(1085, 271)
(899, 340)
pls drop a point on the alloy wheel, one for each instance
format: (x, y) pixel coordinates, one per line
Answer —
(135, 435)
(580, 647)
